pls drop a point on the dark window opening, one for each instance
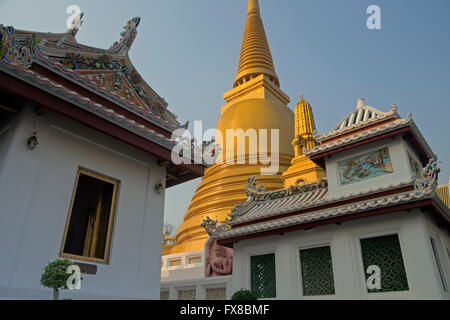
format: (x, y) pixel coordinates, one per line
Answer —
(89, 220)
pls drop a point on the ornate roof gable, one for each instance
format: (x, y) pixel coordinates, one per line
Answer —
(110, 70)
(363, 116)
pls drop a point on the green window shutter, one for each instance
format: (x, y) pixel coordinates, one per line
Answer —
(263, 276)
(317, 271)
(385, 252)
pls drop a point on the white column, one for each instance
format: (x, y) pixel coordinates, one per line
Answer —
(283, 268)
(200, 292)
(343, 268)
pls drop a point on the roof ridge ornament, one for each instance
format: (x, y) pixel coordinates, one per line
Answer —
(253, 189)
(213, 226)
(429, 176)
(360, 103)
(257, 192)
(127, 36)
(75, 25)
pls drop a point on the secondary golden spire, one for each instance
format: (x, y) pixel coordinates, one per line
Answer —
(304, 123)
(303, 170)
(255, 58)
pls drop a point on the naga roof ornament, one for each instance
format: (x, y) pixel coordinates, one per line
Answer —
(127, 36)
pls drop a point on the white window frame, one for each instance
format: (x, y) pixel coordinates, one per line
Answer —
(360, 278)
(299, 280)
(258, 251)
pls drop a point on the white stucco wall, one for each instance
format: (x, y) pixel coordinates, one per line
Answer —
(412, 228)
(7, 130)
(35, 193)
(200, 285)
(184, 271)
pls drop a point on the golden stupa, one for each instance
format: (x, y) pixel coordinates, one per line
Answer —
(255, 102)
(302, 169)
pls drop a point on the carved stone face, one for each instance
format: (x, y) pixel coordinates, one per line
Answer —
(219, 251)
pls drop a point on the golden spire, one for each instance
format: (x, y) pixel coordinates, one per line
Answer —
(255, 56)
(304, 121)
(256, 103)
(303, 170)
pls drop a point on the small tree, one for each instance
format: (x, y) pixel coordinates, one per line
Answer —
(55, 276)
(244, 295)
(169, 230)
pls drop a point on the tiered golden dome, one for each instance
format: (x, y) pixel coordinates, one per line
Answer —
(255, 102)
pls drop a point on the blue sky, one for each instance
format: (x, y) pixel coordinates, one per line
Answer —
(188, 51)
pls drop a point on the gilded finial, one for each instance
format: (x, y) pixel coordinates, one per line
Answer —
(255, 58)
(253, 7)
(360, 103)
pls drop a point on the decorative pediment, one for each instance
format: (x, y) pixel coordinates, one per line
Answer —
(12, 49)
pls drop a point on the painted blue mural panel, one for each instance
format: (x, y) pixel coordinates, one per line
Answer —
(367, 166)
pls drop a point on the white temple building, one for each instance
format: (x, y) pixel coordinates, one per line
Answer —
(375, 228)
(85, 158)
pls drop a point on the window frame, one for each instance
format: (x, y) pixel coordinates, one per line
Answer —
(111, 220)
(436, 245)
(299, 269)
(257, 250)
(263, 253)
(360, 263)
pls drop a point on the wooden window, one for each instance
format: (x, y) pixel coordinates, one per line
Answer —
(87, 235)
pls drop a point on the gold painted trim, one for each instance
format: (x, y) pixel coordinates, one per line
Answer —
(2, 107)
(112, 214)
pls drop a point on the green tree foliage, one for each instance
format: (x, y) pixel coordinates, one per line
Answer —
(244, 295)
(55, 276)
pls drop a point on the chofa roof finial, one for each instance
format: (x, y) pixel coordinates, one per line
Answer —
(75, 25)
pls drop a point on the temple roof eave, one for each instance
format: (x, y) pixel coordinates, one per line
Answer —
(392, 201)
(81, 80)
